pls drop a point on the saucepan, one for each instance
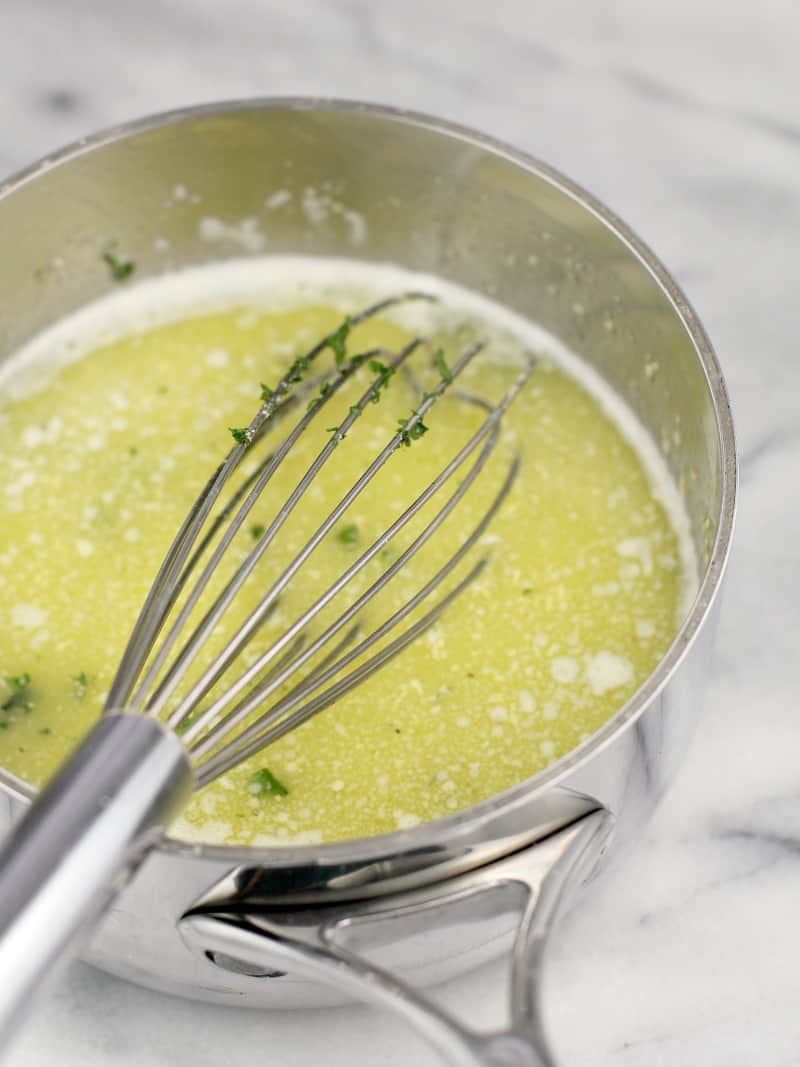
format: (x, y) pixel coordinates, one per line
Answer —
(384, 917)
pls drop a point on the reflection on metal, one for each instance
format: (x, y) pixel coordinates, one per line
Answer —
(356, 946)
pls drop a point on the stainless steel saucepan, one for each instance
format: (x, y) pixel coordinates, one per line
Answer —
(385, 916)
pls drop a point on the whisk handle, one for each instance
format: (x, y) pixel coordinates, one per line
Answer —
(75, 849)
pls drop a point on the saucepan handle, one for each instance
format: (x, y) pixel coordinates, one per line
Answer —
(339, 943)
(73, 851)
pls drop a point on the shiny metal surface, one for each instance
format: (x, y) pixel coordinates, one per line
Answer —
(340, 943)
(62, 864)
(441, 199)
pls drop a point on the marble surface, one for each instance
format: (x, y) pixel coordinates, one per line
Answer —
(684, 118)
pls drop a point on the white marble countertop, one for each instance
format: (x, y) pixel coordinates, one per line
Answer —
(684, 118)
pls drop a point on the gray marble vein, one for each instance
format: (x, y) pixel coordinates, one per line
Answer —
(685, 118)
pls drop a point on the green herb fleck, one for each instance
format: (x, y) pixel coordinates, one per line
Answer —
(240, 434)
(441, 366)
(386, 373)
(527, 590)
(298, 368)
(80, 683)
(337, 342)
(348, 535)
(133, 450)
(45, 730)
(315, 401)
(410, 433)
(16, 693)
(256, 530)
(266, 393)
(120, 268)
(18, 682)
(264, 783)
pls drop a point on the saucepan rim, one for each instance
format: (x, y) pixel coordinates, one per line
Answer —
(436, 831)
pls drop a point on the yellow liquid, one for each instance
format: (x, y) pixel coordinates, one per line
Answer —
(576, 605)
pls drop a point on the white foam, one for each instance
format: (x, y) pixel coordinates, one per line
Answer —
(606, 671)
(270, 281)
(28, 616)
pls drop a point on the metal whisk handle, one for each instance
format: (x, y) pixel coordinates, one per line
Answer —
(73, 852)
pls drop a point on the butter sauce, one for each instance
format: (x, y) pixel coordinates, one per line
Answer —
(112, 420)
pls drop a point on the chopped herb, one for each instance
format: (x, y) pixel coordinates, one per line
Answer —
(16, 693)
(17, 683)
(348, 535)
(397, 729)
(133, 450)
(264, 783)
(315, 401)
(386, 372)
(441, 366)
(45, 730)
(355, 409)
(266, 393)
(298, 368)
(162, 389)
(80, 683)
(387, 553)
(256, 530)
(337, 342)
(120, 268)
(240, 434)
(527, 590)
(413, 433)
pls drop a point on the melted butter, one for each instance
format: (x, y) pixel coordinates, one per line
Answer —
(580, 598)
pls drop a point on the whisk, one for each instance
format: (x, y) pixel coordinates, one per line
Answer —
(157, 741)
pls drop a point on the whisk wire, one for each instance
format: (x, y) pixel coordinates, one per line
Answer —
(334, 661)
(248, 628)
(193, 645)
(266, 471)
(266, 687)
(224, 759)
(267, 728)
(488, 429)
(166, 586)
